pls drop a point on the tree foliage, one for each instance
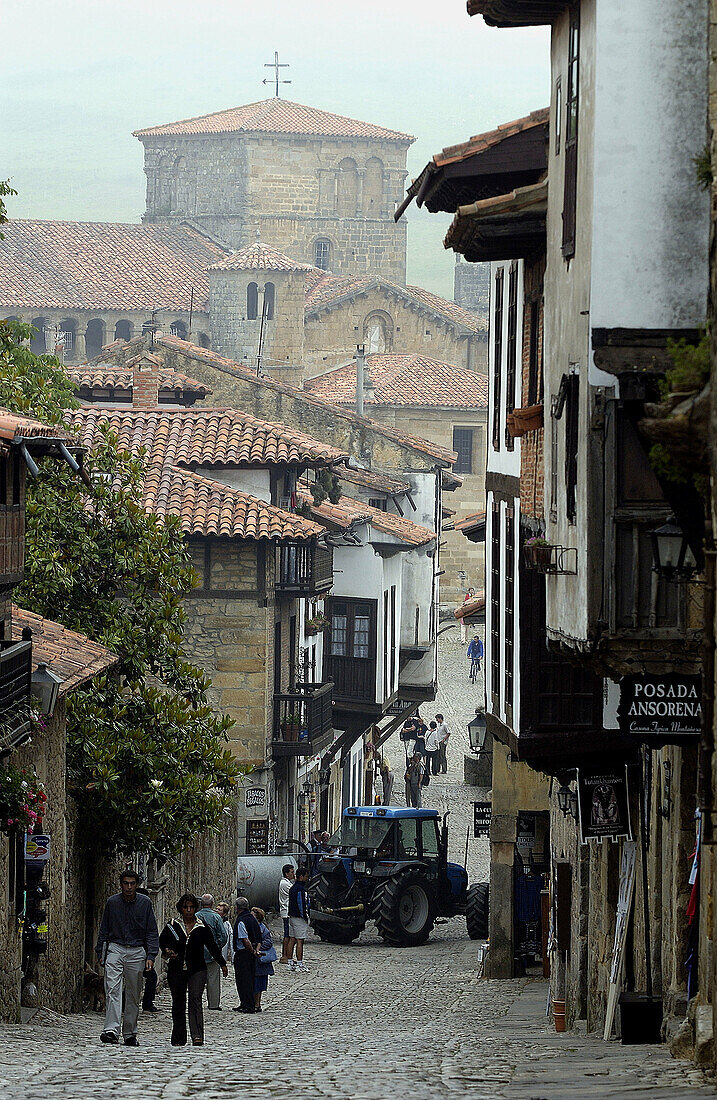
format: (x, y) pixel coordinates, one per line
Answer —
(146, 754)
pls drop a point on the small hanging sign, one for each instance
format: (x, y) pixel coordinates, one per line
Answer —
(603, 805)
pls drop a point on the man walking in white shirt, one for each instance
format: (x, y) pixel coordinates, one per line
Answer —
(287, 881)
(443, 735)
(432, 749)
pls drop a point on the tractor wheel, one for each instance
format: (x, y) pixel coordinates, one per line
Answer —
(324, 894)
(405, 909)
(477, 907)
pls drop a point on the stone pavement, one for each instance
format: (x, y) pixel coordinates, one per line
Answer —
(368, 1021)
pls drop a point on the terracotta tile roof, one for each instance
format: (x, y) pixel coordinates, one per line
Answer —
(96, 374)
(208, 508)
(480, 142)
(405, 380)
(348, 511)
(473, 519)
(204, 437)
(70, 655)
(14, 428)
(276, 116)
(229, 366)
(326, 291)
(370, 480)
(101, 266)
(260, 257)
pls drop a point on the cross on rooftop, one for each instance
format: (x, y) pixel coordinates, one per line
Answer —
(275, 65)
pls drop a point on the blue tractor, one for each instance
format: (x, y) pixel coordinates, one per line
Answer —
(390, 866)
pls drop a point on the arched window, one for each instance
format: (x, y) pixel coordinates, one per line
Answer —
(37, 344)
(373, 188)
(203, 340)
(269, 301)
(252, 302)
(322, 253)
(123, 330)
(178, 329)
(67, 335)
(94, 337)
(378, 333)
(347, 189)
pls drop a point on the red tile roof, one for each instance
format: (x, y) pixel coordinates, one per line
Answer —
(70, 655)
(14, 428)
(208, 508)
(101, 266)
(480, 142)
(326, 291)
(371, 480)
(348, 511)
(204, 437)
(229, 366)
(259, 257)
(405, 380)
(276, 116)
(96, 374)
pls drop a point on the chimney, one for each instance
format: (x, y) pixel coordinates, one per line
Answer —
(145, 380)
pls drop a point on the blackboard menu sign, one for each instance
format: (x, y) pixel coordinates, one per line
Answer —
(257, 837)
(482, 813)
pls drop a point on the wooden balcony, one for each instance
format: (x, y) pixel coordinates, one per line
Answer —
(303, 569)
(302, 720)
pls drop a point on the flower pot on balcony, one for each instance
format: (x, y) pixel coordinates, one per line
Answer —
(291, 732)
(538, 555)
(522, 421)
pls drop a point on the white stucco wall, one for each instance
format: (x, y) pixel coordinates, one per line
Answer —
(254, 482)
(651, 220)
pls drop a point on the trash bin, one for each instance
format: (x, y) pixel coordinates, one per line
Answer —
(640, 1018)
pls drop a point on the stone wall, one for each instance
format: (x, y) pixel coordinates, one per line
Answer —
(105, 324)
(237, 337)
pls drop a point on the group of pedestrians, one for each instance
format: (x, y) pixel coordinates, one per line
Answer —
(429, 755)
(198, 945)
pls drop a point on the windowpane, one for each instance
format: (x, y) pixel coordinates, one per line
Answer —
(407, 839)
(497, 354)
(429, 832)
(511, 365)
(463, 445)
(338, 634)
(361, 634)
(322, 253)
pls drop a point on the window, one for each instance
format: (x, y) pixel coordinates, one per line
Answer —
(269, 301)
(571, 140)
(429, 837)
(535, 373)
(252, 302)
(386, 646)
(511, 365)
(558, 113)
(362, 633)
(322, 253)
(495, 605)
(572, 418)
(339, 621)
(378, 333)
(178, 329)
(497, 353)
(377, 502)
(407, 838)
(393, 637)
(463, 446)
(509, 605)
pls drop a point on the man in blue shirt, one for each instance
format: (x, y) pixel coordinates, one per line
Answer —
(299, 912)
(215, 924)
(127, 945)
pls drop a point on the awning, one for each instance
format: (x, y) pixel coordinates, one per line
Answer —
(506, 227)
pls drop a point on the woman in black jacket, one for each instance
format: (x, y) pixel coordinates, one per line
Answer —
(182, 942)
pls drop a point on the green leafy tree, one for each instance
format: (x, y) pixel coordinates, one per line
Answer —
(5, 190)
(147, 756)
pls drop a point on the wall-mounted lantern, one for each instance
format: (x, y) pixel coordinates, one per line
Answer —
(673, 558)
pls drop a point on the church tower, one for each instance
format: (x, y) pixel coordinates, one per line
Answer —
(317, 186)
(256, 310)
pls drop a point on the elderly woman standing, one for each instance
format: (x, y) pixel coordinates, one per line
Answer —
(182, 942)
(266, 955)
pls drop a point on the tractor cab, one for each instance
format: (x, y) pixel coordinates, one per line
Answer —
(373, 836)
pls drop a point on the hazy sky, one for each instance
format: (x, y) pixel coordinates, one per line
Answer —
(78, 76)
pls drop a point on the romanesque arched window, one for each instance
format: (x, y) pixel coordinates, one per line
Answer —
(178, 329)
(38, 342)
(269, 301)
(94, 337)
(378, 332)
(322, 253)
(123, 330)
(373, 188)
(252, 302)
(347, 189)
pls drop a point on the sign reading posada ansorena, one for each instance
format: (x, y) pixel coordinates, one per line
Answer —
(603, 805)
(664, 706)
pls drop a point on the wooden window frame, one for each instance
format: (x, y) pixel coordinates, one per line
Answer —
(572, 107)
(495, 604)
(535, 358)
(511, 369)
(460, 466)
(509, 610)
(497, 353)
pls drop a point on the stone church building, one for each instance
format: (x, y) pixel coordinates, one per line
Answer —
(320, 187)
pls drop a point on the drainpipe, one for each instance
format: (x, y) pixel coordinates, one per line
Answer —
(360, 360)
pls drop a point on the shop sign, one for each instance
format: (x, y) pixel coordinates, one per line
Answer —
(525, 838)
(398, 706)
(482, 814)
(663, 706)
(257, 837)
(255, 799)
(603, 805)
(37, 850)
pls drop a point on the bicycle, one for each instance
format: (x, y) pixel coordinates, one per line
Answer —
(475, 669)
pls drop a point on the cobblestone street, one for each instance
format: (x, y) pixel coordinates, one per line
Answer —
(367, 1021)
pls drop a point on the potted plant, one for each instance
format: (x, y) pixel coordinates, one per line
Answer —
(316, 625)
(290, 726)
(22, 800)
(527, 419)
(538, 552)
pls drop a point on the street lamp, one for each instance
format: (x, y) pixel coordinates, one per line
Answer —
(564, 799)
(477, 732)
(673, 558)
(46, 688)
